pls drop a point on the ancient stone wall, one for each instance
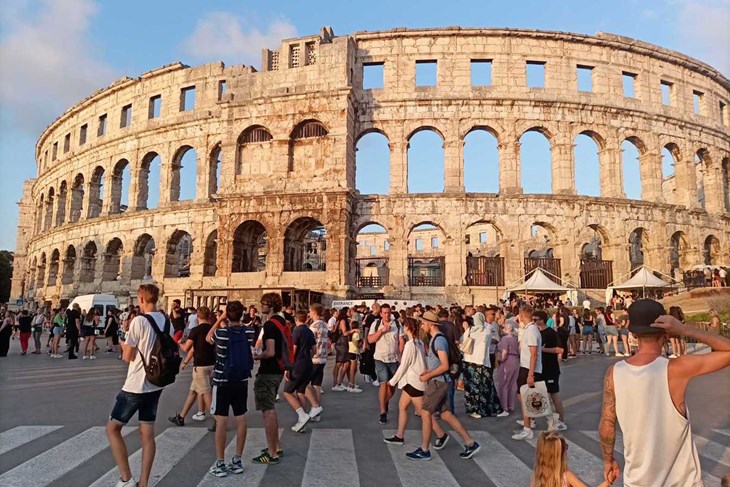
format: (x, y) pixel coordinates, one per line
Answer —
(275, 165)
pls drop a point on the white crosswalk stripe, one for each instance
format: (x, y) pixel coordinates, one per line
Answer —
(723, 432)
(331, 443)
(13, 438)
(58, 461)
(172, 445)
(712, 450)
(502, 467)
(433, 473)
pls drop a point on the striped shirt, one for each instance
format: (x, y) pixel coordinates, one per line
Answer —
(220, 338)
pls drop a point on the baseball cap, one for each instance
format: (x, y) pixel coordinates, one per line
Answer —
(642, 314)
(430, 316)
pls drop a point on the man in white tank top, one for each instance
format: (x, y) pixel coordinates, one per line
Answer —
(646, 394)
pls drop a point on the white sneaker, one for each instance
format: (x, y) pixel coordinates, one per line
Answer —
(129, 483)
(475, 415)
(299, 427)
(277, 397)
(354, 389)
(560, 426)
(339, 388)
(376, 383)
(503, 414)
(200, 416)
(315, 413)
(524, 435)
(93, 357)
(85, 357)
(673, 356)
(520, 422)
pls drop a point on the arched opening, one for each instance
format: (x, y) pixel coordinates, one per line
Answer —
(631, 169)
(77, 198)
(61, 204)
(637, 240)
(253, 151)
(53, 267)
(702, 162)
(726, 183)
(88, 263)
(177, 257)
(426, 163)
(484, 262)
(371, 256)
(112, 260)
(306, 147)
(96, 192)
(184, 174)
(536, 172)
(372, 164)
(426, 255)
(250, 247)
(39, 214)
(305, 245)
(41, 274)
(540, 250)
(148, 181)
(587, 164)
(48, 219)
(69, 265)
(215, 166)
(121, 177)
(711, 250)
(481, 161)
(669, 160)
(678, 252)
(144, 252)
(595, 273)
(210, 257)
(33, 273)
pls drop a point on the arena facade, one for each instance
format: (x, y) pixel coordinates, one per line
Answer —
(276, 206)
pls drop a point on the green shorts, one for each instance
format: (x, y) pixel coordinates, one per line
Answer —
(265, 387)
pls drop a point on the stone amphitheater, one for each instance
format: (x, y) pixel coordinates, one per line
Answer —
(274, 156)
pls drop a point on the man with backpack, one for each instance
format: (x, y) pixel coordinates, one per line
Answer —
(442, 369)
(154, 361)
(387, 336)
(233, 365)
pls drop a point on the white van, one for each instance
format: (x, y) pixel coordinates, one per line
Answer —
(102, 302)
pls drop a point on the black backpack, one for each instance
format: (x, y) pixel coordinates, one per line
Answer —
(164, 363)
(455, 358)
(239, 360)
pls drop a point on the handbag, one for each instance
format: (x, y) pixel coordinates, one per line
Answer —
(535, 400)
(467, 344)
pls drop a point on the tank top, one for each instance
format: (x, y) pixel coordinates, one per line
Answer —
(658, 446)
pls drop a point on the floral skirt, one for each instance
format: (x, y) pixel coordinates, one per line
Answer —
(480, 395)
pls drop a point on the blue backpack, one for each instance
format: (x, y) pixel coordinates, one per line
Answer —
(239, 360)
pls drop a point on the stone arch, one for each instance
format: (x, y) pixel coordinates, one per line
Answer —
(429, 229)
(305, 245)
(69, 265)
(38, 217)
(96, 192)
(121, 177)
(425, 128)
(372, 150)
(142, 257)
(536, 168)
(711, 250)
(592, 240)
(50, 199)
(678, 251)
(702, 162)
(184, 174)
(210, 257)
(252, 149)
(371, 242)
(149, 176)
(112, 260)
(306, 145)
(481, 160)
(177, 256)
(53, 267)
(250, 247)
(215, 168)
(61, 204)
(41, 273)
(637, 241)
(587, 148)
(77, 198)
(632, 149)
(33, 273)
(484, 237)
(88, 262)
(426, 161)
(426, 254)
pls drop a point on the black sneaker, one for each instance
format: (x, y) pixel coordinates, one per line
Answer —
(177, 420)
(470, 451)
(393, 440)
(441, 442)
(383, 419)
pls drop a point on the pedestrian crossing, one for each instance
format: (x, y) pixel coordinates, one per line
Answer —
(332, 457)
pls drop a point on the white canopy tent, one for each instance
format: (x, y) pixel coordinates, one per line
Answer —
(537, 282)
(643, 279)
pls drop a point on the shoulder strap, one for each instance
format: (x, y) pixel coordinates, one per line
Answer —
(154, 326)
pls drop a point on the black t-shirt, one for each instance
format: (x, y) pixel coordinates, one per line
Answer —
(203, 352)
(25, 324)
(177, 319)
(271, 365)
(304, 340)
(550, 364)
(71, 316)
(449, 329)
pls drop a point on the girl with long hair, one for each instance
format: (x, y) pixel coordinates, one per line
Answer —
(551, 464)
(57, 331)
(88, 331)
(586, 345)
(341, 338)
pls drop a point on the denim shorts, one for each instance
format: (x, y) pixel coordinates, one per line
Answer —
(385, 370)
(129, 403)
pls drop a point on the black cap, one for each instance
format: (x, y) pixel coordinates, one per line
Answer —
(642, 314)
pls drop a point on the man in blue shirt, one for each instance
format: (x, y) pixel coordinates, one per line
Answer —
(435, 399)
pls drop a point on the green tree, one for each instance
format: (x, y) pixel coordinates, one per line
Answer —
(6, 273)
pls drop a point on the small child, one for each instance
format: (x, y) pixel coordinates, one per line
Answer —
(551, 464)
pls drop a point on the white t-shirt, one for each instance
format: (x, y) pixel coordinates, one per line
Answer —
(531, 337)
(192, 321)
(331, 324)
(387, 349)
(586, 304)
(142, 336)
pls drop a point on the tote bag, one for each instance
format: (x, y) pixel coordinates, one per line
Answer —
(536, 400)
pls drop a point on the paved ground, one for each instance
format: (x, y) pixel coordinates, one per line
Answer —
(52, 414)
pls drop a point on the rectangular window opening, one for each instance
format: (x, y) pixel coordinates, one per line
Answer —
(697, 99)
(373, 76)
(666, 88)
(629, 84)
(310, 50)
(221, 89)
(481, 72)
(434, 242)
(155, 107)
(126, 116)
(102, 125)
(723, 114)
(585, 78)
(187, 99)
(386, 245)
(67, 143)
(467, 239)
(426, 72)
(419, 244)
(54, 154)
(483, 237)
(535, 74)
(294, 51)
(82, 133)
(373, 250)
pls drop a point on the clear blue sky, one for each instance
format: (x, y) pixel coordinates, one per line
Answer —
(53, 53)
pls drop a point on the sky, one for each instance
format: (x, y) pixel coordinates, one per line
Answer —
(54, 53)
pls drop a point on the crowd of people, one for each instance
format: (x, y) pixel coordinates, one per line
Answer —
(427, 353)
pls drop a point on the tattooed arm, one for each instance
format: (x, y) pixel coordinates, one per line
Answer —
(607, 428)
